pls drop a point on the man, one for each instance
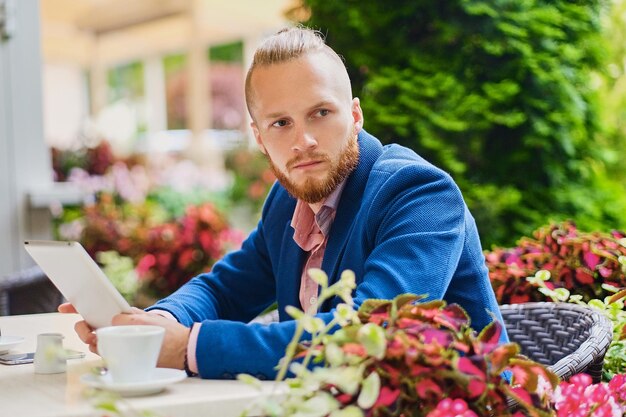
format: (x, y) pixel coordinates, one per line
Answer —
(342, 201)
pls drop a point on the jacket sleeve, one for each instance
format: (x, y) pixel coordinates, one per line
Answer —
(238, 287)
(420, 238)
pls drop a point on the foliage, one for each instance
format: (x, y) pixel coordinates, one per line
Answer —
(615, 358)
(498, 93)
(121, 272)
(401, 357)
(95, 161)
(152, 228)
(612, 91)
(166, 254)
(581, 262)
(252, 177)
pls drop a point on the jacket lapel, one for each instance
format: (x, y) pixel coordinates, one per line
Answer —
(370, 150)
(289, 272)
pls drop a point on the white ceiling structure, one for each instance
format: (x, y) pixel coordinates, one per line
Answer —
(116, 31)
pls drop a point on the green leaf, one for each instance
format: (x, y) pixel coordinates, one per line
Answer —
(370, 305)
(597, 304)
(318, 406)
(345, 314)
(108, 406)
(372, 337)
(311, 324)
(543, 275)
(561, 294)
(318, 276)
(249, 380)
(347, 378)
(402, 300)
(334, 354)
(295, 312)
(369, 391)
(349, 411)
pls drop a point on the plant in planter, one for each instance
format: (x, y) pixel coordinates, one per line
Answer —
(577, 261)
(404, 357)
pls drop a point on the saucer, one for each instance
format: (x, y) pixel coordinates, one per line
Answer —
(9, 342)
(161, 378)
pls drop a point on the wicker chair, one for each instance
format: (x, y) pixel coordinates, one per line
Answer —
(568, 338)
(28, 291)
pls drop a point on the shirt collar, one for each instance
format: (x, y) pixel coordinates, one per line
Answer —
(304, 221)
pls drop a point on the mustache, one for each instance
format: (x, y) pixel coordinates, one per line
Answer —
(313, 156)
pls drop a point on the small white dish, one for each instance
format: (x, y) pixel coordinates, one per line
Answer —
(9, 342)
(160, 379)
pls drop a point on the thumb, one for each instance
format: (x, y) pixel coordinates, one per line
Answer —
(67, 308)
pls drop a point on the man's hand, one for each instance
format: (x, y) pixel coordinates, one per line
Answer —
(176, 335)
(84, 331)
(174, 344)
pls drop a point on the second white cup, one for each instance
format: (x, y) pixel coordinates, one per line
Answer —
(130, 353)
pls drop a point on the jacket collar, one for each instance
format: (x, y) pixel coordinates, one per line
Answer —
(370, 149)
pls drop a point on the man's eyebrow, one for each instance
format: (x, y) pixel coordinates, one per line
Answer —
(323, 103)
(274, 115)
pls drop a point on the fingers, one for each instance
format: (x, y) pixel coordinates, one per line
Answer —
(66, 308)
(136, 317)
(85, 333)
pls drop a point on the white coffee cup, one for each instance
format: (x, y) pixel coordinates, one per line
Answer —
(130, 353)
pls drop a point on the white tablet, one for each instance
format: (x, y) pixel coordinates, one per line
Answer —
(80, 280)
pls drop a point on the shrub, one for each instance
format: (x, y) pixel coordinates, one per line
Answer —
(585, 263)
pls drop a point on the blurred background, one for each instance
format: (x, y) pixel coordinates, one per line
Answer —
(123, 123)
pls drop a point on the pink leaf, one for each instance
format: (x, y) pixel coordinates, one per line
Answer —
(591, 259)
(476, 388)
(387, 397)
(425, 387)
(468, 367)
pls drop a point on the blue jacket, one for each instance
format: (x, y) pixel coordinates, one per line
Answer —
(401, 225)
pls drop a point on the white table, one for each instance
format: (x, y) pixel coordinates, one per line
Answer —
(24, 393)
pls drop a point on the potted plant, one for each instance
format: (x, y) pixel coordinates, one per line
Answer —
(403, 357)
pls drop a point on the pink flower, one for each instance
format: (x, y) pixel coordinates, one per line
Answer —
(452, 408)
(581, 398)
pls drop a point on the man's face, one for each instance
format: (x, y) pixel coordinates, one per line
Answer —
(306, 123)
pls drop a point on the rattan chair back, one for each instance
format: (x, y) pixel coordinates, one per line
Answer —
(567, 338)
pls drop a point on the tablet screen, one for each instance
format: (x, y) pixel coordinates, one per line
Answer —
(79, 279)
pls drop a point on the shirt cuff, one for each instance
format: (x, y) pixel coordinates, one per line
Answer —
(191, 348)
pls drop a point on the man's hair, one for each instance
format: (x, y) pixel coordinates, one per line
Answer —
(286, 45)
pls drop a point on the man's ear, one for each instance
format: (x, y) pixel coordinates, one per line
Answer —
(257, 136)
(357, 115)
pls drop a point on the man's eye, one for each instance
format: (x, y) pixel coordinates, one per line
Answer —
(323, 112)
(280, 123)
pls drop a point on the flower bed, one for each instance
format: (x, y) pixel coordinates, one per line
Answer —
(585, 263)
(405, 358)
(151, 228)
(564, 264)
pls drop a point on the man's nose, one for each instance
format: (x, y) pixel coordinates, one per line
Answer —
(303, 141)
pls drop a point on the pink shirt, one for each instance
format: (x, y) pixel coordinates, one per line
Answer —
(311, 234)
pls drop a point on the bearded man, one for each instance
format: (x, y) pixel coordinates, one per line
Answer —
(343, 201)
